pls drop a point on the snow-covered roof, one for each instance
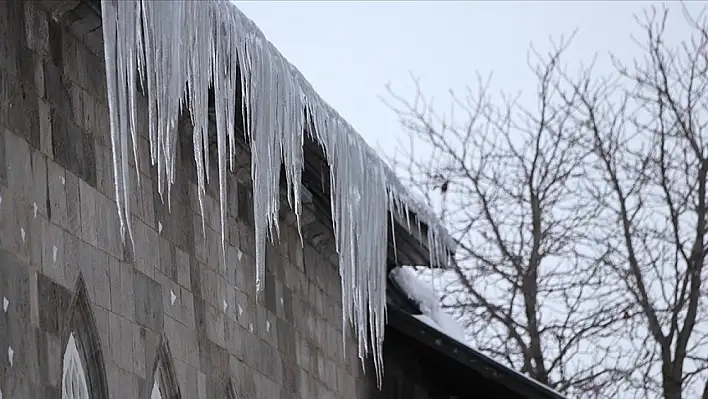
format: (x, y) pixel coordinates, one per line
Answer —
(428, 303)
(433, 315)
(199, 44)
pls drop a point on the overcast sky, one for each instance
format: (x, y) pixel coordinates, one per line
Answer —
(350, 50)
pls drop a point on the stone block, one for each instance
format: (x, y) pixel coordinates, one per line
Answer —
(75, 254)
(234, 335)
(15, 228)
(213, 358)
(289, 377)
(108, 226)
(122, 286)
(121, 383)
(56, 184)
(186, 375)
(101, 279)
(121, 341)
(148, 302)
(3, 158)
(202, 385)
(53, 300)
(89, 213)
(213, 323)
(73, 204)
(138, 360)
(146, 240)
(19, 167)
(286, 340)
(105, 181)
(243, 377)
(56, 91)
(168, 262)
(265, 387)
(183, 275)
(53, 260)
(183, 342)
(39, 182)
(36, 28)
(101, 317)
(184, 310)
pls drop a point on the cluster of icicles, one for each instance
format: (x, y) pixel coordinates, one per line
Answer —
(179, 50)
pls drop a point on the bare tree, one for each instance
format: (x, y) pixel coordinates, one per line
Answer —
(647, 134)
(509, 182)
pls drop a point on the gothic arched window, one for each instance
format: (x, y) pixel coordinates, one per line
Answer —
(164, 385)
(73, 380)
(230, 390)
(83, 373)
(156, 386)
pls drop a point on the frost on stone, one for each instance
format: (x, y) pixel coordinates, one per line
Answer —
(5, 304)
(173, 297)
(239, 254)
(176, 52)
(240, 310)
(226, 305)
(267, 326)
(11, 355)
(54, 254)
(23, 235)
(34, 209)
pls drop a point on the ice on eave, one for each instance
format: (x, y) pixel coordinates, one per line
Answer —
(179, 51)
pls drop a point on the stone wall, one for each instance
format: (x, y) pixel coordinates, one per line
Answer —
(64, 269)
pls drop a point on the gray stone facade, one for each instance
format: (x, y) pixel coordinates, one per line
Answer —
(63, 267)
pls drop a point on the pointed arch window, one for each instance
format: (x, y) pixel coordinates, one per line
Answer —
(230, 390)
(156, 386)
(164, 385)
(83, 372)
(73, 384)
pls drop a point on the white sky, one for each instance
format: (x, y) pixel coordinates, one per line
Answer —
(350, 50)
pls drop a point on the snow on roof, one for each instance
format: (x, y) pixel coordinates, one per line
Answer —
(434, 316)
(428, 303)
(199, 45)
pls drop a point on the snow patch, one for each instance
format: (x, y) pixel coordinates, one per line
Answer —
(435, 317)
(428, 303)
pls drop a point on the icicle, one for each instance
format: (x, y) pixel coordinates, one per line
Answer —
(178, 51)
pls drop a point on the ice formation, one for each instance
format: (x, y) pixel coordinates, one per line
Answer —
(179, 50)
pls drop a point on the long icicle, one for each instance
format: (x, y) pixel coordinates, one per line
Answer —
(182, 49)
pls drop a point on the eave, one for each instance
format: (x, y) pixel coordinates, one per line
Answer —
(406, 245)
(401, 311)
